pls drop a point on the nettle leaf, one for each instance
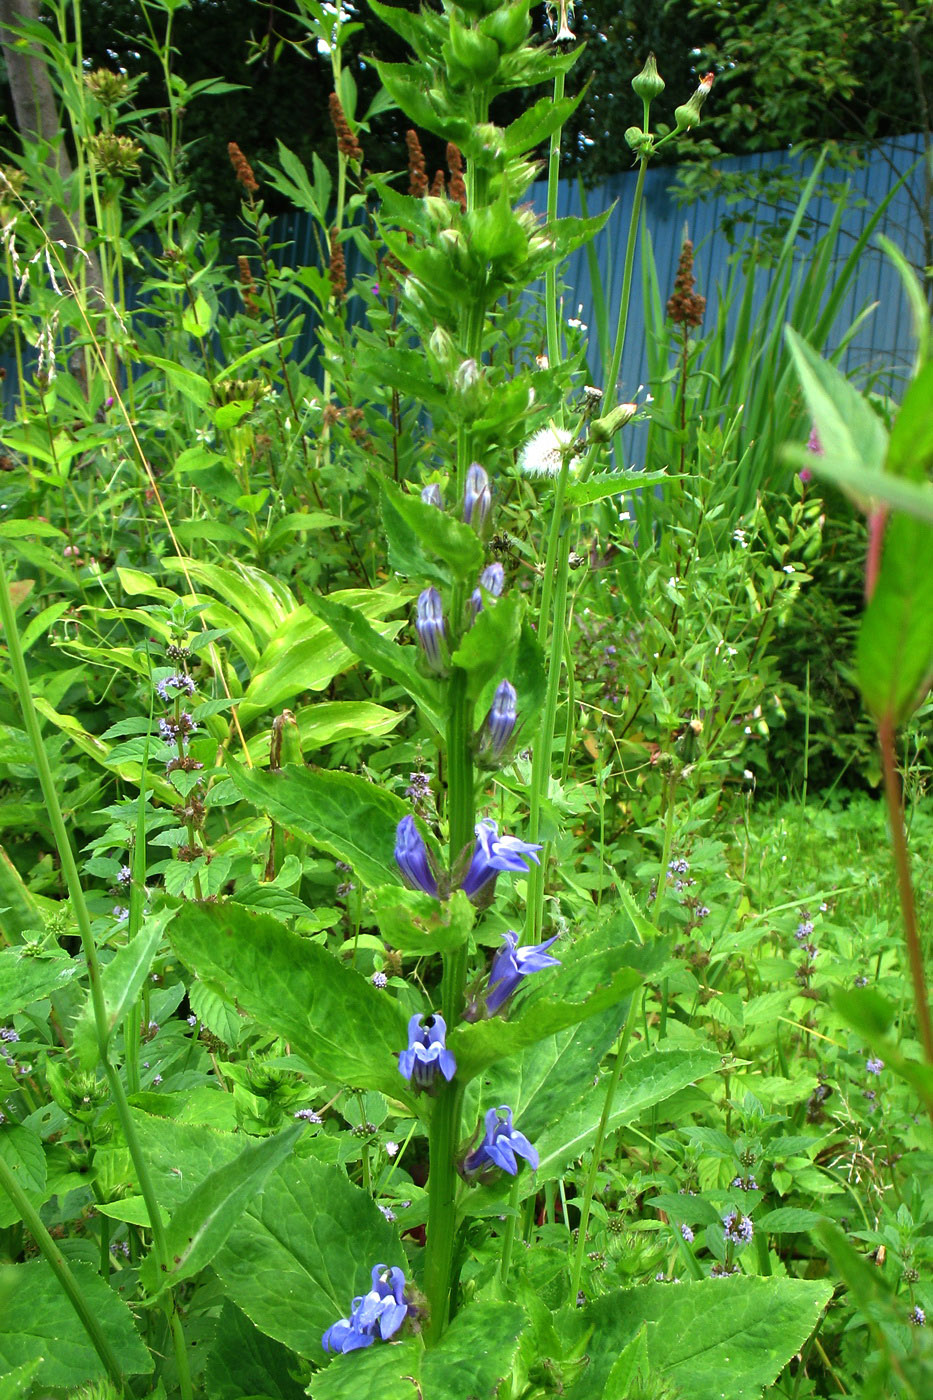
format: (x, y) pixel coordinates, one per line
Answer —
(427, 543)
(341, 813)
(37, 1320)
(332, 1017)
(475, 1354)
(729, 1336)
(200, 1227)
(301, 1254)
(25, 980)
(416, 923)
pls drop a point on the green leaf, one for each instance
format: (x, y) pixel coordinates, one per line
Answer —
(346, 1030)
(301, 1254)
(630, 1367)
(789, 1220)
(562, 1003)
(243, 1361)
(197, 1230)
(121, 981)
(910, 450)
(487, 652)
(894, 651)
(22, 1152)
(24, 980)
(715, 1337)
(386, 1372)
(331, 720)
(598, 487)
(384, 657)
(427, 543)
(862, 483)
(851, 433)
(196, 319)
(17, 1385)
(37, 1321)
(416, 923)
(341, 813)
(190, 385)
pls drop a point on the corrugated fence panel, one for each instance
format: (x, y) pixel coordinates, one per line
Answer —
(883, 343)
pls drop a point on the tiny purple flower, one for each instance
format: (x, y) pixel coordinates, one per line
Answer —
(380, 980)
(744, 1183)
(411, 855)
(157, 1079)
(687, 1233)
(861, 981)
(307, 1115)
(429, 624)
(501, 1147)
(917, 1316)
(431, 495)
(192, 1020)
(179, 682)
(511, 964)
(493, 854)
(427, 1053)
(8, 1034)
(124, 875)
(678, 867)
(496, 733)
(737, 1228)
(379, 1312)
(874, 1066)
(803, 930)
(477, 497)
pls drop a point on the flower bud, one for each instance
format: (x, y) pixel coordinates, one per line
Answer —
(477, 498)
(603, 429)
(429, 624)
(688, 114)
(640, 141)
(499, 725)
(648, 84)
(493, 580)
(431, 495)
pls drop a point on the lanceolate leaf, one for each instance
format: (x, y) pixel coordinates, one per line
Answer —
(348, 1031)
(427, 543)
(121, 981)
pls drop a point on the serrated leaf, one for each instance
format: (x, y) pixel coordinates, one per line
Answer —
(23, 1154)
(243, 1361)
(414, 922)
(427, 543)
(38, 1322)
(335, 1019)
(197, 1230)
(121, 981)
(24, 980)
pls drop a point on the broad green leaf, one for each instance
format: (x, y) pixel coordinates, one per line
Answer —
(22, 1152)
(38, 1322)
(387, 1372)
(630, 1367)
(198, 1228)
(196, 319)
(862, 483)
(341, 813)
(381, 655)
(788, 1220)
(414, 922)
(894, 651)
(335, 1019)
(596, 984)
(427, 543)
(219, 1016)
(24, 980)
(192, 386)
(487, 652)
(121, 980)
(715, 1337)
(332, 720)
(910, 450)
(851, 433)
(243, 1361)
(17, 1384)
(297, 1259)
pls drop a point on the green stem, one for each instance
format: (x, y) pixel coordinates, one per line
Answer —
(609, 385)
(443, 1140)
(550, 276)
(67, 1281)
(82, 919)
(577, 1269)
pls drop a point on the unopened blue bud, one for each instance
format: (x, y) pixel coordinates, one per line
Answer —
(429, 625)
(493, 580)
(477, 498)
(497, 730)
(431, 495)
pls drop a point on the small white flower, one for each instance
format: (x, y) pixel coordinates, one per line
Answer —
(542, 454)
(789, 569)
(391, 1149)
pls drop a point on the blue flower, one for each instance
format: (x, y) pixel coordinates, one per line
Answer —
(411, 854)
(431, 495)
(379, 1312)
(511, 964)
(477, 497)
(496, 733)
(493, 580)
(429, 624)
(501, 1146)
(427, 1053)
(494, 853)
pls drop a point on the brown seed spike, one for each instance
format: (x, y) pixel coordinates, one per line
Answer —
(685, 306)
(347, 144)
(439, 185)
(417, 170)
(338, 267)
(458, 190)
(242, 168)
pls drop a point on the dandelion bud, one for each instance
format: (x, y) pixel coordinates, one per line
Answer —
(499, 725)
(429, 625)
(603, 429)
(431, 495)
(477, 498)
(648, 84)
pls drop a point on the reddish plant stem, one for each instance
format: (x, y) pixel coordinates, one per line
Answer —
(876, 523)
(892, 791)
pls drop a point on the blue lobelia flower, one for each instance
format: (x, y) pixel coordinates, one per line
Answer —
(427, 1053)
(493, 854)
(429, 624)
(501, 1147)
(493, 580)
(499, 724)
(431, 495)
(477, 497)
(511, 964)
(411, 855)
(381, 1311)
